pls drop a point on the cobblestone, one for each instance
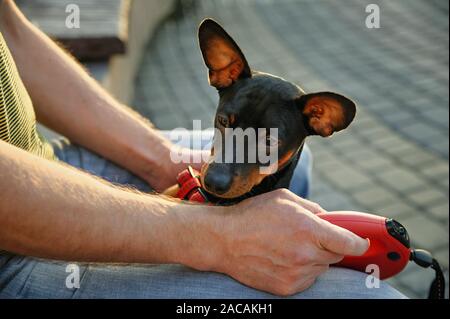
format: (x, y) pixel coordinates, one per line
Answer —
(393, 160)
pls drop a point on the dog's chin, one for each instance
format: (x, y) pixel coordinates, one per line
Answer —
(230, 195)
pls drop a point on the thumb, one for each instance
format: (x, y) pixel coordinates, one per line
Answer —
(340, 240)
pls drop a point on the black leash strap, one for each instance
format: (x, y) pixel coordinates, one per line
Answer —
(437, 288)
(424, 259)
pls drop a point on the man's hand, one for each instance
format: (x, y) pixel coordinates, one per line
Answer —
(274, 242)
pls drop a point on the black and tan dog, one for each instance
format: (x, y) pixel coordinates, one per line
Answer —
(251, 99)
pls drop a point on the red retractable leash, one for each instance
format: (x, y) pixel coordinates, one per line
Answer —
(389, 241)
(190, 187)
(389, 247)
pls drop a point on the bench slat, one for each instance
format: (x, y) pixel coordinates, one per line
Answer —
(103, 25)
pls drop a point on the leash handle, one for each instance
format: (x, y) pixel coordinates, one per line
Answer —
(424, 259)
(190, 187)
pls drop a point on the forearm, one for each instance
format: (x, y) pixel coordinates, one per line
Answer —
(70, 102)
(53, 211)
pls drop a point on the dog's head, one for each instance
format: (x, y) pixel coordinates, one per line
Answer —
(259, 101)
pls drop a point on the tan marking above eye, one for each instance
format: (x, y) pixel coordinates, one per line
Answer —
(232, 119)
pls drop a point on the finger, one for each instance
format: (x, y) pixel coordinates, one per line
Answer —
(309, 205)
(339, 240)
(325, 257)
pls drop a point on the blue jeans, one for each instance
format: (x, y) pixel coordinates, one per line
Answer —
(27, 277)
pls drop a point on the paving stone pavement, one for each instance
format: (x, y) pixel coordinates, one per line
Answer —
(393, 160)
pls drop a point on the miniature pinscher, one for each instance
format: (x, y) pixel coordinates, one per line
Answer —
(251, 99)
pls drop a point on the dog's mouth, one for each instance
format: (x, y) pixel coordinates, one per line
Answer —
(240, 185)
(235, 192)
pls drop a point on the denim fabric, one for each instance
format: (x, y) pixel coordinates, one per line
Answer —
(26, 277)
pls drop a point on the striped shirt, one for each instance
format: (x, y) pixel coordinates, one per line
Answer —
(17, 117)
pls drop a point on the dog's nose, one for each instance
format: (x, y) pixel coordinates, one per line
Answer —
(218, 182)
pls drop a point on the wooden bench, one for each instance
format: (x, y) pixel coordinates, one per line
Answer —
(103, 28)
(112, 37)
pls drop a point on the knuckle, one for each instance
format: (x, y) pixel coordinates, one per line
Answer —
(305, 224)
(284, 192)
(317, 208)
(302, 258)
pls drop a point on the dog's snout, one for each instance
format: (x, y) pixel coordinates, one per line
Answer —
(218, 181)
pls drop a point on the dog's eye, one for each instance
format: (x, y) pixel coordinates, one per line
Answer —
(223, 120)
(272, 141)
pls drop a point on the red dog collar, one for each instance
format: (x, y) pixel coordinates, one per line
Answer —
(190, 186)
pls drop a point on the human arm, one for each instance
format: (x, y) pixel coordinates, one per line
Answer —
(54, 211)
(69, 101)
(272, 242)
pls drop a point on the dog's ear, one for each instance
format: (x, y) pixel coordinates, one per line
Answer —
(222, 56)
(325, 112)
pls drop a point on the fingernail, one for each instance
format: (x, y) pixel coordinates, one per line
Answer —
(367, 240)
